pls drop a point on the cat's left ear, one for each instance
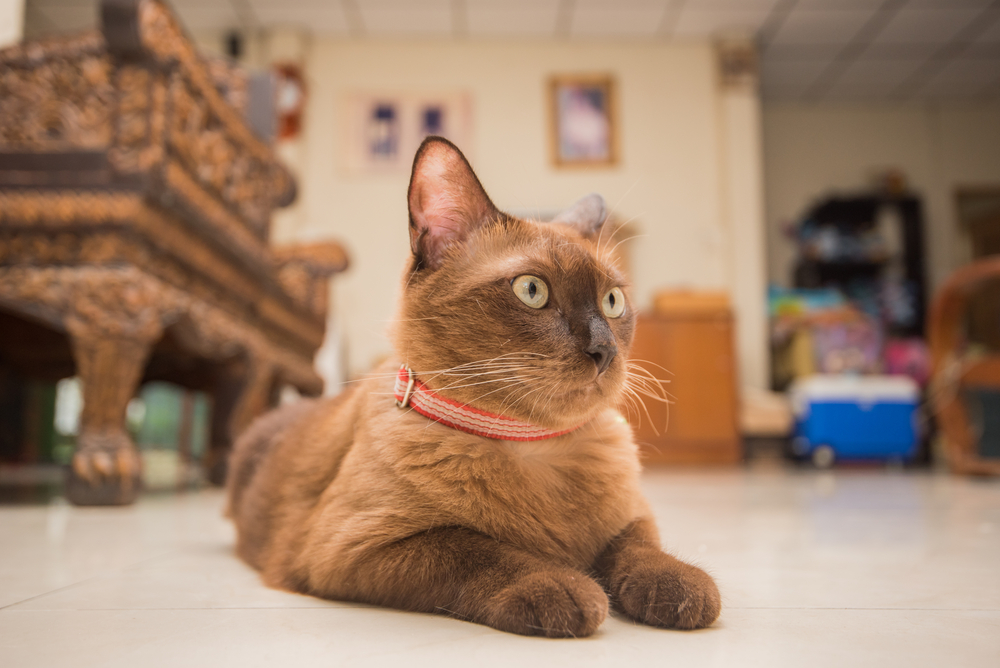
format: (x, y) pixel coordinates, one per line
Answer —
(587, 215)
(446, 201)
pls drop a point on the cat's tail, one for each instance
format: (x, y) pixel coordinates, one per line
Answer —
(252, 447)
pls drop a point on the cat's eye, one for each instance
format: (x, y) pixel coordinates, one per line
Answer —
(613, 303)
(531, 290)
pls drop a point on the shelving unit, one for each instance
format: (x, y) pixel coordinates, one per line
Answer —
(850, 220)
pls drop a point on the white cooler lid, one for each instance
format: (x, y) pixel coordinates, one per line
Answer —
(863, 389)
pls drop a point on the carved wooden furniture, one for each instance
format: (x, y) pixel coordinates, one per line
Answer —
(688, 341)
(955, 370)
(135, 207)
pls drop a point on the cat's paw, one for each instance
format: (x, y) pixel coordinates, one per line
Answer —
(557, 604)
(662, 591)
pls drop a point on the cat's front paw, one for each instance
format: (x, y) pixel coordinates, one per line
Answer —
(662, 591)
(557, 604)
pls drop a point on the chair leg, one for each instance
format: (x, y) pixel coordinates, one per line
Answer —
(106, 469)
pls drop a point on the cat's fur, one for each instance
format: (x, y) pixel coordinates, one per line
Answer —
(355, 499)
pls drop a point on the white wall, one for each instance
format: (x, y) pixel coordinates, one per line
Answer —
(668, 179)
(11, 22)
(813, 150)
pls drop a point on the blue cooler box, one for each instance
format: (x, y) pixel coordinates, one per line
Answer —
(855, 417)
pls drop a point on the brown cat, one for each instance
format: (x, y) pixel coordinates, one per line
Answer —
(501, 485)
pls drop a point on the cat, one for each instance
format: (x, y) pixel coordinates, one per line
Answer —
(491, 477)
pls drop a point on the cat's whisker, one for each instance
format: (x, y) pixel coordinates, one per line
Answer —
(644, 408)
(650, 384)
(615, 247)
(650, 389)
(631, 407)
(641, 371)
(632, 362)
(621, 199)
(501, 372)
(487, 382)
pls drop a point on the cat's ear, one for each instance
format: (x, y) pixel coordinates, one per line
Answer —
(586, 215)
(446, 201)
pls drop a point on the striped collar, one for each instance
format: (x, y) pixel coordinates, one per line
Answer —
(411, 393)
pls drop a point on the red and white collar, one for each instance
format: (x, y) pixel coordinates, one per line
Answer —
(411, 392)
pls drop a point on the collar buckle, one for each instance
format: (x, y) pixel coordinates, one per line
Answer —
(411, 379)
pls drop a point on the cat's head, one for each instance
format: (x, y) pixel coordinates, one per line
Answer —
(522, 318)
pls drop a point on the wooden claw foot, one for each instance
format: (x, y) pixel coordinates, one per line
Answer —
(105, 471)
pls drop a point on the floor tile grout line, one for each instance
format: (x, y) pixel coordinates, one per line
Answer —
(857, 609)
(84, 581)
(215, 609)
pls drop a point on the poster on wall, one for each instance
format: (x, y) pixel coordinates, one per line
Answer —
(583, 121)
(384, 130)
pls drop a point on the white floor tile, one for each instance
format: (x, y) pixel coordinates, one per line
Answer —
(856, 568)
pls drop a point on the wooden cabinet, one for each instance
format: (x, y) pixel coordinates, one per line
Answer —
(693, 341)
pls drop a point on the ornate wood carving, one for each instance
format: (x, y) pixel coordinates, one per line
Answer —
(74, 226)
(953, 371)
(305, 271)
(134, 213)
(127, 303)
(106, 467)
(56, 94)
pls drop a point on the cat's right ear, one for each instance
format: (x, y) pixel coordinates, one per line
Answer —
(446, 201)
(586, 215)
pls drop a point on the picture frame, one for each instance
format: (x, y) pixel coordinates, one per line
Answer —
(583, 112)
(384, 129)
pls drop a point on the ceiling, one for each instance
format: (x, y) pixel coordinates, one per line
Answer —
(810, 49)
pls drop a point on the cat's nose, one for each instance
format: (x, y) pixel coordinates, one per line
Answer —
(602, 354)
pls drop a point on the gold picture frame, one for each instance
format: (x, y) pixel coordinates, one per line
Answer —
(584, 123)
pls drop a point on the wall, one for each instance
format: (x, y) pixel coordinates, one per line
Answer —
(11, 22)
(668, 179)
(813, 150)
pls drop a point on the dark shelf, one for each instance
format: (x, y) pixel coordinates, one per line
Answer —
(856, 216)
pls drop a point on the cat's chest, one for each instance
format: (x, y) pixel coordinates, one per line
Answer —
(565, 497)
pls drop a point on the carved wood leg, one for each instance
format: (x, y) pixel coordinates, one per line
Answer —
(239, 397)
(105, 469)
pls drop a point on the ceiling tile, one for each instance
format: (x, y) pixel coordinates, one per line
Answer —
(873, 78)
(991, 35)
(726, 5)
(693, 22)
(792, 72)
(828, 26)
(888, 72)
(899, 51)
(501, 17)
(431, 18)
(807, 51)
(772, 92)
(931, 26)
(592, 18)
(963, 77)
(838, 4)
(985, 50)
(938, 4)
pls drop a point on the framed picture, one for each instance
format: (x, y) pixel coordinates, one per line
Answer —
(584, 129)
(383, 130)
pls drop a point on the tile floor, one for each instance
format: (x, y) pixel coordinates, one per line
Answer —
(852, 568)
